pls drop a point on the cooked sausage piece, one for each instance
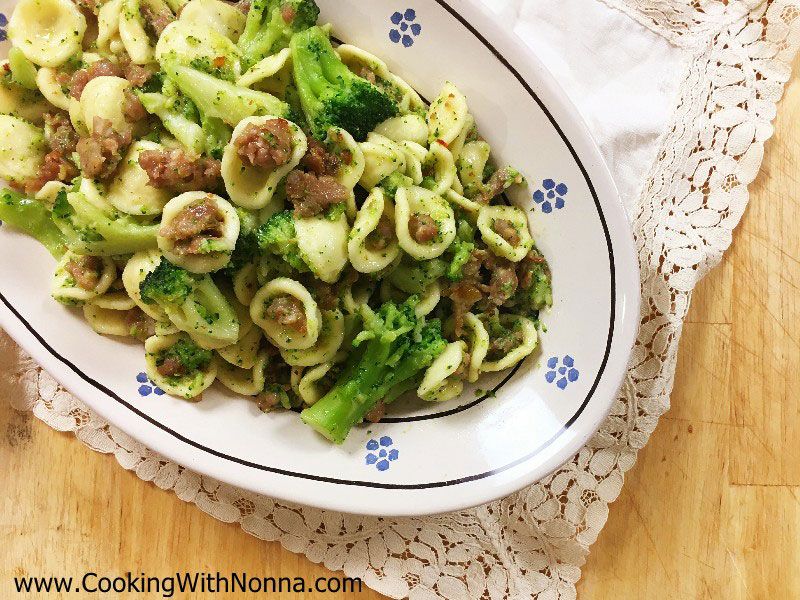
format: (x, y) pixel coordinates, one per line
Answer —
(194, 225)
(423, 228)
(100, 68)
(101, 152)
(506, 230)
(268, 145)
(320, 161)
(171, 367)
(312, 195)
(288, 311)
(175, 170)
(382, 236)
(157, 20)
(86, 270)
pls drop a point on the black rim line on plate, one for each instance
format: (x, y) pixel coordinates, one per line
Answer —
(371, 484)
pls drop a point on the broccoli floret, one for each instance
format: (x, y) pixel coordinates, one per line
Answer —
(394, 182)
(89, 229)
(331, 94)
(413, 276)
(278, 236)
(217, 135)
(247, 249)
(33, 218)
(271, 24)
(190, 355)
(167, 284)
(393, 349)
(461, 250)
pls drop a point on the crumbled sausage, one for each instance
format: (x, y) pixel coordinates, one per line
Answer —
(139, 324)
(175, 170)
(193, 226)
(377, 413)
(319, 160)
(86, 270)
(171, 367)
(133, 109)
(101, 152)
(267, 145)
(312, 195)
(55, 167)
(506, 230)
(326, 295)
(288, 13)
(503, 344)
(137, 75)
(156, 20)
(99, 68)
(423, 228)
(464, 295)
(243, 5)
(61, 136)
(289, 312)
(383, 235)
(526, 268)
(367, 74)
(497, 184)
(503, 283)
(268, 400)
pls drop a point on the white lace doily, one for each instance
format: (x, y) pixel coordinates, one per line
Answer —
(534, 542)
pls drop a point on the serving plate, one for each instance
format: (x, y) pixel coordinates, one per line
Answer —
(424, 458)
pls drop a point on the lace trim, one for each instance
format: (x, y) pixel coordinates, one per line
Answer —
(535, 541)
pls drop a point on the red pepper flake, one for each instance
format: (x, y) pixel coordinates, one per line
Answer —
(219, 62)
(443, 143)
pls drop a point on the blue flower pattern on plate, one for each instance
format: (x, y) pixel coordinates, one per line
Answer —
(562, 371)
(148, 387)
(405, 29)
(3, 23)
(551, 195)
(381, 454)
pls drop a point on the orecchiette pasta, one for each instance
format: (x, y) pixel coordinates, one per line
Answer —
(471, 166)
(201, 252)
(133, 35)
(216, 15)
(207, 316)
(243, 353)
(405, 128)
(253, 187)
(478, 346)
(439, 162)
(382, 157)
(130, 192)
(525, 331)
(21, 102)
(323, 245)
(78, 279)
(187, 385)
(308, 387)
(48, 32)
(287, 313)
(188, 43)
(104, 97)
(505, 231)
(373, 244)
(108, 17)
(447, 115)
(417, 204)
(51, 88)
(139, 266)
(109, 314)
(266, 68)
(22, 148)
(442, 381)
(330, 339)
(247, 381)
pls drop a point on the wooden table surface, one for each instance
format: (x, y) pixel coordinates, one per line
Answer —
(711, 509)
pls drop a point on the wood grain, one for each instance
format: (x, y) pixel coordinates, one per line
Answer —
(711, 509)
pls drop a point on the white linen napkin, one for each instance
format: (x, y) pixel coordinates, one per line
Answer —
(680, 96)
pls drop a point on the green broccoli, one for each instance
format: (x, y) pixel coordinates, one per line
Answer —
(461, 249)
(23, 71)
(167, 284)
(331, 94)
(278, 236)
(393, 349)
(89, 229)
(222, 99)
(413, 276)
(394, 182)
(271, 24)
(217, 135)
(33, 218)
(190, 355)
(538, 295)
(247, 249)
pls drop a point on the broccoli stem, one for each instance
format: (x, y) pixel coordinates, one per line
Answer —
(223, 99)
(33, 218)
